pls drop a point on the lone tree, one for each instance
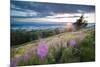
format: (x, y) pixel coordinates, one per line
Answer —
(80, 23)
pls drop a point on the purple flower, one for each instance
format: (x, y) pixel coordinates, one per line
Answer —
(72, 42)
(65, 45)
(13, 63)
(25, 56)
(42, 50)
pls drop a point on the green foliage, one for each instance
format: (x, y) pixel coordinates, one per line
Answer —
(22, 36)
(21, 63)
(33, 60)
(83, 52)
(87, 54)
(51, 55)
(70, 55)
(87, 48)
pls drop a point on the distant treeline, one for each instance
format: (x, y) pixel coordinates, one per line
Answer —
(20, 36)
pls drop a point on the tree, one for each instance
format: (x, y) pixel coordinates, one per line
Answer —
(80, 23)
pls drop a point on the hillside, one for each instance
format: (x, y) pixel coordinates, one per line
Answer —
(60, 37)
(55, 41)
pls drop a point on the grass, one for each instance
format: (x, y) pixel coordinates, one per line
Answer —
(84, 51)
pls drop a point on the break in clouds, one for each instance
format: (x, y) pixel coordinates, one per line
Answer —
(27, 11)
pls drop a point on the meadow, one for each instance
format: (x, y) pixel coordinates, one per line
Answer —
(65, 47)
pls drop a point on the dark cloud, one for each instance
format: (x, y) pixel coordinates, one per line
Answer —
(46, 9)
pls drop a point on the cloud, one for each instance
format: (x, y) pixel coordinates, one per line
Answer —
(80, 11)
(46, 12)
(90, 17)
(23, 13)
(17, 11)
(15, 7)
(65, 15)
(47, 8)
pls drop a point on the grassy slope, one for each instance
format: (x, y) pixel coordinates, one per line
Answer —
(19, 50)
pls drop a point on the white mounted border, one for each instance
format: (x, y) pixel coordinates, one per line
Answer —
(85, 2)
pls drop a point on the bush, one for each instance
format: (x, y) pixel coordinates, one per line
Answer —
(70, 55)
(87, 54)
(87, 48)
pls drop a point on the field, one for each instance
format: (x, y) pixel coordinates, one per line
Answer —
(66, 47)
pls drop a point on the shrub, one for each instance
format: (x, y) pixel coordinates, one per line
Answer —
(87, 48)
(70, 55)
(87, 54)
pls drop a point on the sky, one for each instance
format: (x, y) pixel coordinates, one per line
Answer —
(88, 2)
(30, 11)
